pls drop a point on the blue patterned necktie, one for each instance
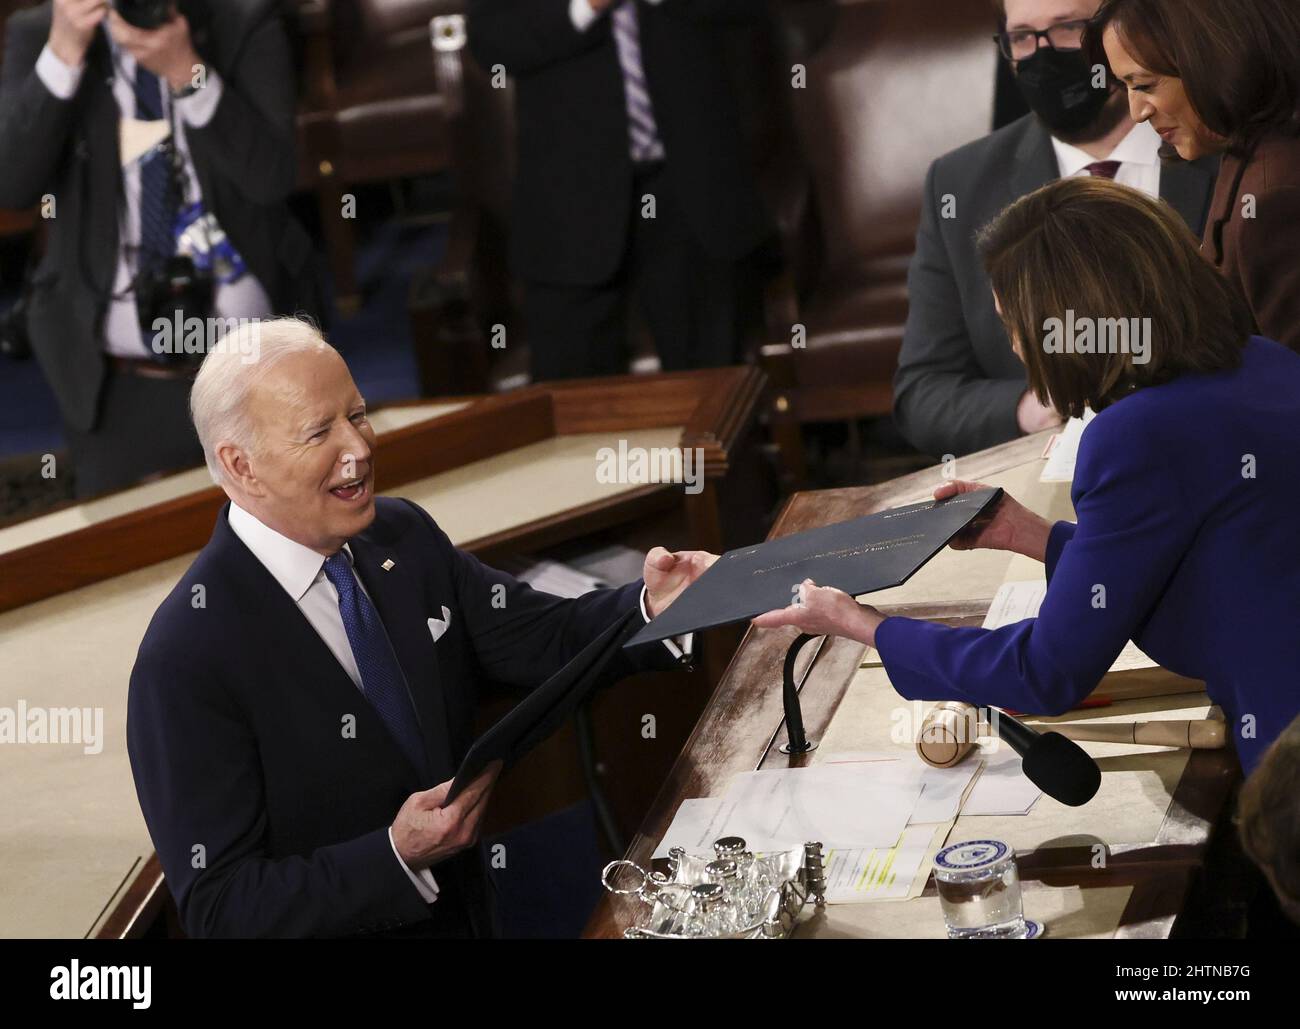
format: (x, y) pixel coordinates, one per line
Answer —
(643, 133)
(382, 680)
(158, 200)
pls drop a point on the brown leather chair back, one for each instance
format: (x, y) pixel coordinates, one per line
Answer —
(896, 84)
(370, 29)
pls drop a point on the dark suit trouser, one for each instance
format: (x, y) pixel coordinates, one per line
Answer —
(693, 304)
(143, 428)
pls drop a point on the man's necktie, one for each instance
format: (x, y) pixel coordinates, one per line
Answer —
(158, 196)
(643, 133)
(382, 680)
(1103, 169)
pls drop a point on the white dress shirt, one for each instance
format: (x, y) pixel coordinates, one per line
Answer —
(582, 14)
(301, 572)
(1137, 153)
(243, 298)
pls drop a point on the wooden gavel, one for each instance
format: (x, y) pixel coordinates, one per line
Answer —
(949, 731)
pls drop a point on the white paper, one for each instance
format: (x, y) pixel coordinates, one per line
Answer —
(786, 808)
(613, 563)
(1065, 451)
(1002, 788)
(844, 806)
(941, 788)
(876, 873)
(1014, 602)
(854, 803)
(558, 579)
(694, 827)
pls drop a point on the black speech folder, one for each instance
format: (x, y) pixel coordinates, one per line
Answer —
(547, 707)
(862, 555)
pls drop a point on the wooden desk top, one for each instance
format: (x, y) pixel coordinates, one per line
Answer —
(704, 410)
(1146, 876)
(73, 517)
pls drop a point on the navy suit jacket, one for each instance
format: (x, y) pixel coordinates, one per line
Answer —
(1186, 496)
(271, 819)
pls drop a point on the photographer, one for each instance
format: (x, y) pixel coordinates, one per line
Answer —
(158, 142)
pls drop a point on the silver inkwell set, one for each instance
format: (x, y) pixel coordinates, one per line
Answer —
(734, 894)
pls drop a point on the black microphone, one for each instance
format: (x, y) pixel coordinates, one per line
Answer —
(1057, 766)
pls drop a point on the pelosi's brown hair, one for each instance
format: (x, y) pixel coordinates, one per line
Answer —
(1268, 817)
(1086, 250)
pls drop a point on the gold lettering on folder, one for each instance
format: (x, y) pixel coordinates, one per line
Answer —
(858, 551)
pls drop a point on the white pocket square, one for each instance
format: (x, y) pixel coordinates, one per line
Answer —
(438, 626)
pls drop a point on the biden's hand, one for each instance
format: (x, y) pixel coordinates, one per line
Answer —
(825, 611)
(667, 574)
(425, 832)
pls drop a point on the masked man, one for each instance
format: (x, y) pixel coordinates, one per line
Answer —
(959, 387)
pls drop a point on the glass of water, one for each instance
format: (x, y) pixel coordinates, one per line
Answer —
(979, 892)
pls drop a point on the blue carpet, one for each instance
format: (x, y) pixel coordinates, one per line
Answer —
(551, 880)
(377, 341)
(29, 418)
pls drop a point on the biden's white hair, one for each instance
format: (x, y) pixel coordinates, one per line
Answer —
(230, 370)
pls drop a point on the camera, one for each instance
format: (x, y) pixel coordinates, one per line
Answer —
(144, 14)
(180, 295)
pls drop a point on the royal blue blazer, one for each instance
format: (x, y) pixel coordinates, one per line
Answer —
(1187, 496)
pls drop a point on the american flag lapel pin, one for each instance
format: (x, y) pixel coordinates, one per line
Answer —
(388, 565)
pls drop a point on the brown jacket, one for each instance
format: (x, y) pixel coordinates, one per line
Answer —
(1261, 254)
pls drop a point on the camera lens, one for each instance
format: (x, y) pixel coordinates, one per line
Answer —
(143, 14)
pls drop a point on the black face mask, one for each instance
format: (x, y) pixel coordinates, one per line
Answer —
(1057, 86)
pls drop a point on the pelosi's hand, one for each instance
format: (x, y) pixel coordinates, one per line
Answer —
(667, 574)
(826, 611)
(1008, 526)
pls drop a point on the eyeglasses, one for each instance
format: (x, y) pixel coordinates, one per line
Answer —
(1020, 44)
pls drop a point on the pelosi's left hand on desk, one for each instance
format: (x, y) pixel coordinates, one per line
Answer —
(826, 611)
(668, 573)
